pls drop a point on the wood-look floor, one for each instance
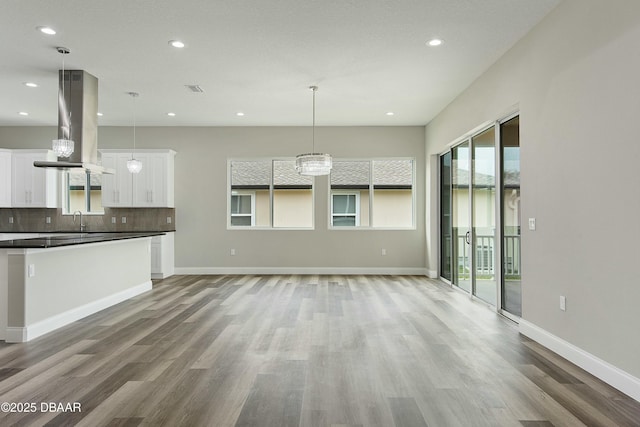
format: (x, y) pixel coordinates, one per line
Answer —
(302, 351)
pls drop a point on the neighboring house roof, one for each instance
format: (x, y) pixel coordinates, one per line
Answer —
(511, 179)
(386, 174)
(77, 180)
(345, 174)
(257, 174)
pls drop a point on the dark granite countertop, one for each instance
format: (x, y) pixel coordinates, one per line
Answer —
(71, 238)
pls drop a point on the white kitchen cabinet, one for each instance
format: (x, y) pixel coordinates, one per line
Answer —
(162, 256)
(5, 178)
(152, 187)
(117, 189)
(33, 187)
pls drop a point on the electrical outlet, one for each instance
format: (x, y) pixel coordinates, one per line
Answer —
(384, 252)
(532, 224)
(114, 220)
(47, 220)
(168, 220)
(32, 270)
(563, 303)
(10, 220)
(123, 220)
(232, 252)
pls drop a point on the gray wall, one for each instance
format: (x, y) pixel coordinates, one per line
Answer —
(202, 238)
(574, 79)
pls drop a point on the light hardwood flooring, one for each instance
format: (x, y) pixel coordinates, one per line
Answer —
(302, 351)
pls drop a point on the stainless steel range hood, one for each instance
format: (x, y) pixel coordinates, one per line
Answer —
(78, 120)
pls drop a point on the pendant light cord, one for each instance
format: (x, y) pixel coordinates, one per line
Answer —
(134, 126)
(64, 51)
(134, 95)
(313, 122)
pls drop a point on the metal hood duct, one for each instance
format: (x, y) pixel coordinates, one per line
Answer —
(78, 120)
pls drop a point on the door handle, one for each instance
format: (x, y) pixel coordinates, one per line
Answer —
(467, 237)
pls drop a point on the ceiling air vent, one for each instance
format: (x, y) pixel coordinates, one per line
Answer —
(194, 88)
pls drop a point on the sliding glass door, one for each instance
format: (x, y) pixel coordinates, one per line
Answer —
(480, 216)
(511, 295)
(461, 229)
(446, 264)
(484, 215)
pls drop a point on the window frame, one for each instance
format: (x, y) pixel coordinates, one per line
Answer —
(272, 188)
(65, 189)
(371, 190)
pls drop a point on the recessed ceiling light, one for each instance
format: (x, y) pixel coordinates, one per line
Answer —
(171, 114)
(100, 114)
(31, 84)
(46, 30)
(240, 114)
(176, 43)
(23, 113)
(389, 113)
(434, 42)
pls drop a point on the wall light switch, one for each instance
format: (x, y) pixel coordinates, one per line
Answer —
(168, 220)
(47, 220)
(532, 224)
(384, 252)
(232, 252)
(10, 220)
(124, 220)
(563, 303)
(32, 270)
(114, 220)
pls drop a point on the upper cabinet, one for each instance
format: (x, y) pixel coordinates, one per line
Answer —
(33, 187)
(151, 187)
(5, 178)
(117, 189)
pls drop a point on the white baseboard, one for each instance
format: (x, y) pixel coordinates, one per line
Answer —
(304, 270)
(608, 373)
(432, 274)
(24, 334)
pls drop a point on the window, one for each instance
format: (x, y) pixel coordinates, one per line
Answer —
(242, 209)
(82, 192)
(345, 209)
(372, 193)
(278, 196)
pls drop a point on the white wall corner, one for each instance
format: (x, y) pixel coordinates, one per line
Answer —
(16, 334)
(597, 367)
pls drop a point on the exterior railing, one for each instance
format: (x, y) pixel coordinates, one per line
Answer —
(485, 250)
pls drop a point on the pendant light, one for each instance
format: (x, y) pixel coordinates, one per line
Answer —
(134, 165)
(63, 147)
(313, 164)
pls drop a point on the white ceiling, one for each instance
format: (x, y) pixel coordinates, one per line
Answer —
(368, 57)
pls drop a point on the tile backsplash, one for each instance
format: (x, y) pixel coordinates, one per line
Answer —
(16, 220)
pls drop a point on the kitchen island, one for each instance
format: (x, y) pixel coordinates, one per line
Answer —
(49, 282)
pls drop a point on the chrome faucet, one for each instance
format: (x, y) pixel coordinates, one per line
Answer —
(82, 226)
